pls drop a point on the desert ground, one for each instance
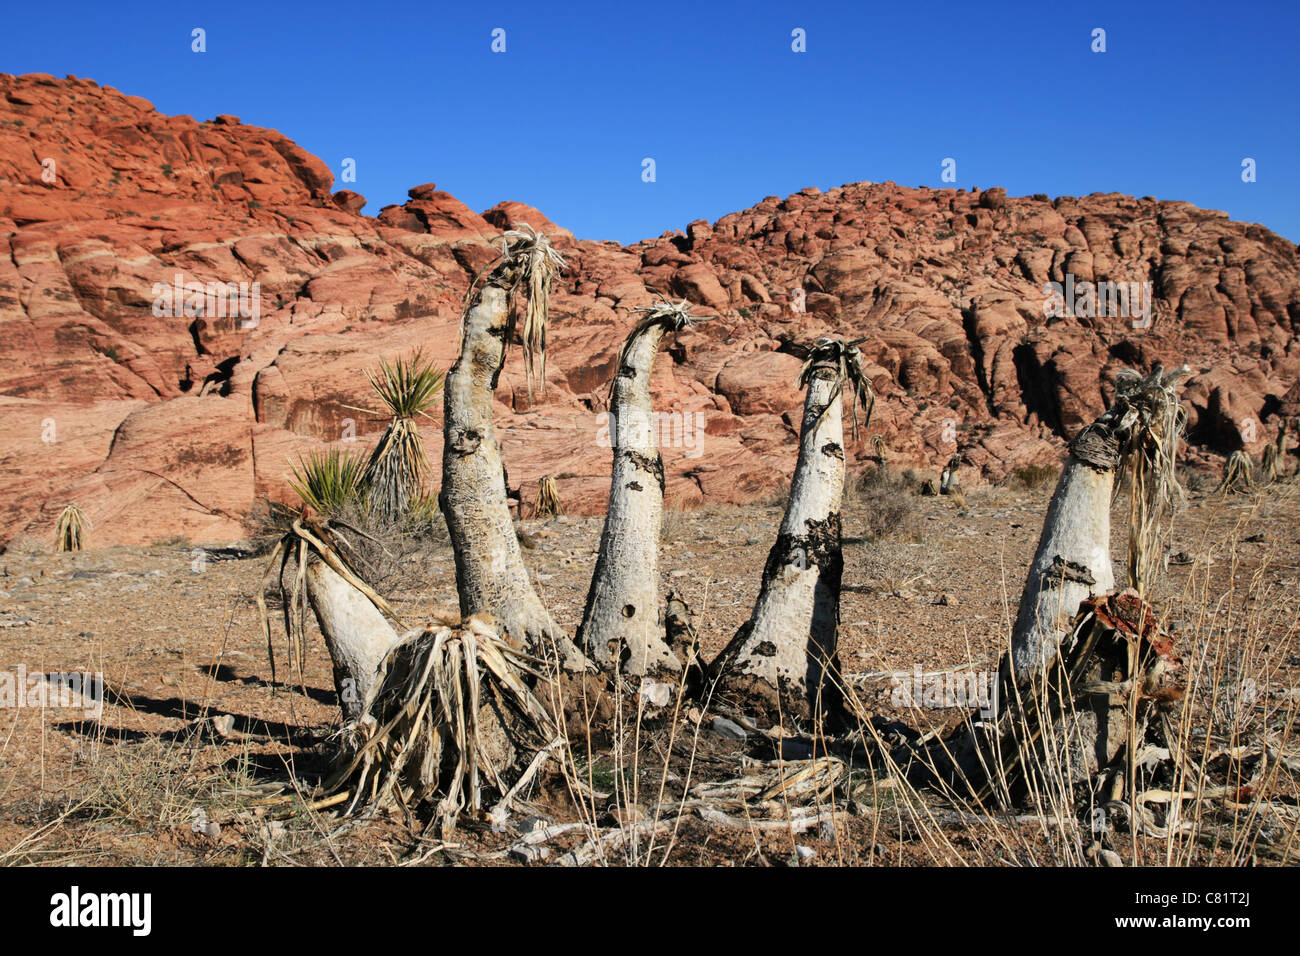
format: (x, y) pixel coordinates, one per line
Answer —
(175, 630)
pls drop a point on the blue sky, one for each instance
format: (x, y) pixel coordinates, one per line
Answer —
(713, 93)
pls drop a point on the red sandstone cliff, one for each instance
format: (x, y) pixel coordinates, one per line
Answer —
(165, 425)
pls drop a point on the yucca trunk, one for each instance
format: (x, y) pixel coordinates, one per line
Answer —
(622, 626)
(356, 634)
(779, 660)
(1073, 558)
(490, 573)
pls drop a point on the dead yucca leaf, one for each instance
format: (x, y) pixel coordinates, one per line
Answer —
(529, 262)
(1273, 467)
(548, 503)
(449, 720)
(72, 522)
(848, 362)
(1238, 475)
(1151, 421)
(394, 476)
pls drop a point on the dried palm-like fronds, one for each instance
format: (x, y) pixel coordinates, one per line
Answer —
(72, 522)
(1238, 475)
(882, 450)
(329, 482)
(528, 262)
(1273, 467)
(449, 718)
(1150, 424)
(675, 316)
(394, 475)
(547, 504)
(848, 362)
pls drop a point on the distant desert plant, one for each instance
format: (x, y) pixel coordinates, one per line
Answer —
(71, 524)
(1030, 477)
(394, 476)
(548, 503)
(673, 523)
(1238, 475)
(1274, 464)
(882, 496)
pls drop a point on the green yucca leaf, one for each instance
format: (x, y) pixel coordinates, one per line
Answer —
(408, 387)
(328, 481)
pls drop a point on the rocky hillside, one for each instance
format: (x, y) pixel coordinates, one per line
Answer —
(164, 422)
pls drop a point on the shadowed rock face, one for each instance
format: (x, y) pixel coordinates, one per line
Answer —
(164, 423)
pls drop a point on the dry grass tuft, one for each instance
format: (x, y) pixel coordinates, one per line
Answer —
(70, 527)
(884, 500)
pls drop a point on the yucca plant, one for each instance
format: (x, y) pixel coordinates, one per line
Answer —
(329, 482)
(1238, 475)
(548, 503)
(1075, 634)
(394, 476)
(782, 662)
(490, 572)
(1274, 464)
(622, 628)
(315, 564)
(71, 524)
(311, 565)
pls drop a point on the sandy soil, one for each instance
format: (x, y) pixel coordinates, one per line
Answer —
(175, 631)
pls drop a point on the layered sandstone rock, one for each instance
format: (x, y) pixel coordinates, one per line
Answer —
(164, 421)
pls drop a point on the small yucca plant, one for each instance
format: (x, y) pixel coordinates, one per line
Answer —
(329, 482)
(547, 504)
(1238, 475)
(1274, 464)
(394, 476)
(71, 524)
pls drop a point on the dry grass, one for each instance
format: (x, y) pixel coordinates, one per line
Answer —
(1031, 477)
(655, 788)
(882, 496)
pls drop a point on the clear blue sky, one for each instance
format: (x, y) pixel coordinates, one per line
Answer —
(715, 95)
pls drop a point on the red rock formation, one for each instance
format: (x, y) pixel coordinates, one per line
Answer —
(163, 421)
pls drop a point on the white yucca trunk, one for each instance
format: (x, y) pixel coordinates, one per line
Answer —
(778, 660)
(490, 573)
(623, 626)
(1073, 558)
(356, 634)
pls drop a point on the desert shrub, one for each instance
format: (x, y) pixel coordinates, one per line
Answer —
(673, 524)
(882, 496)
(1199, 480)
(1031, 477)
(398, 554)
(912, 481)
